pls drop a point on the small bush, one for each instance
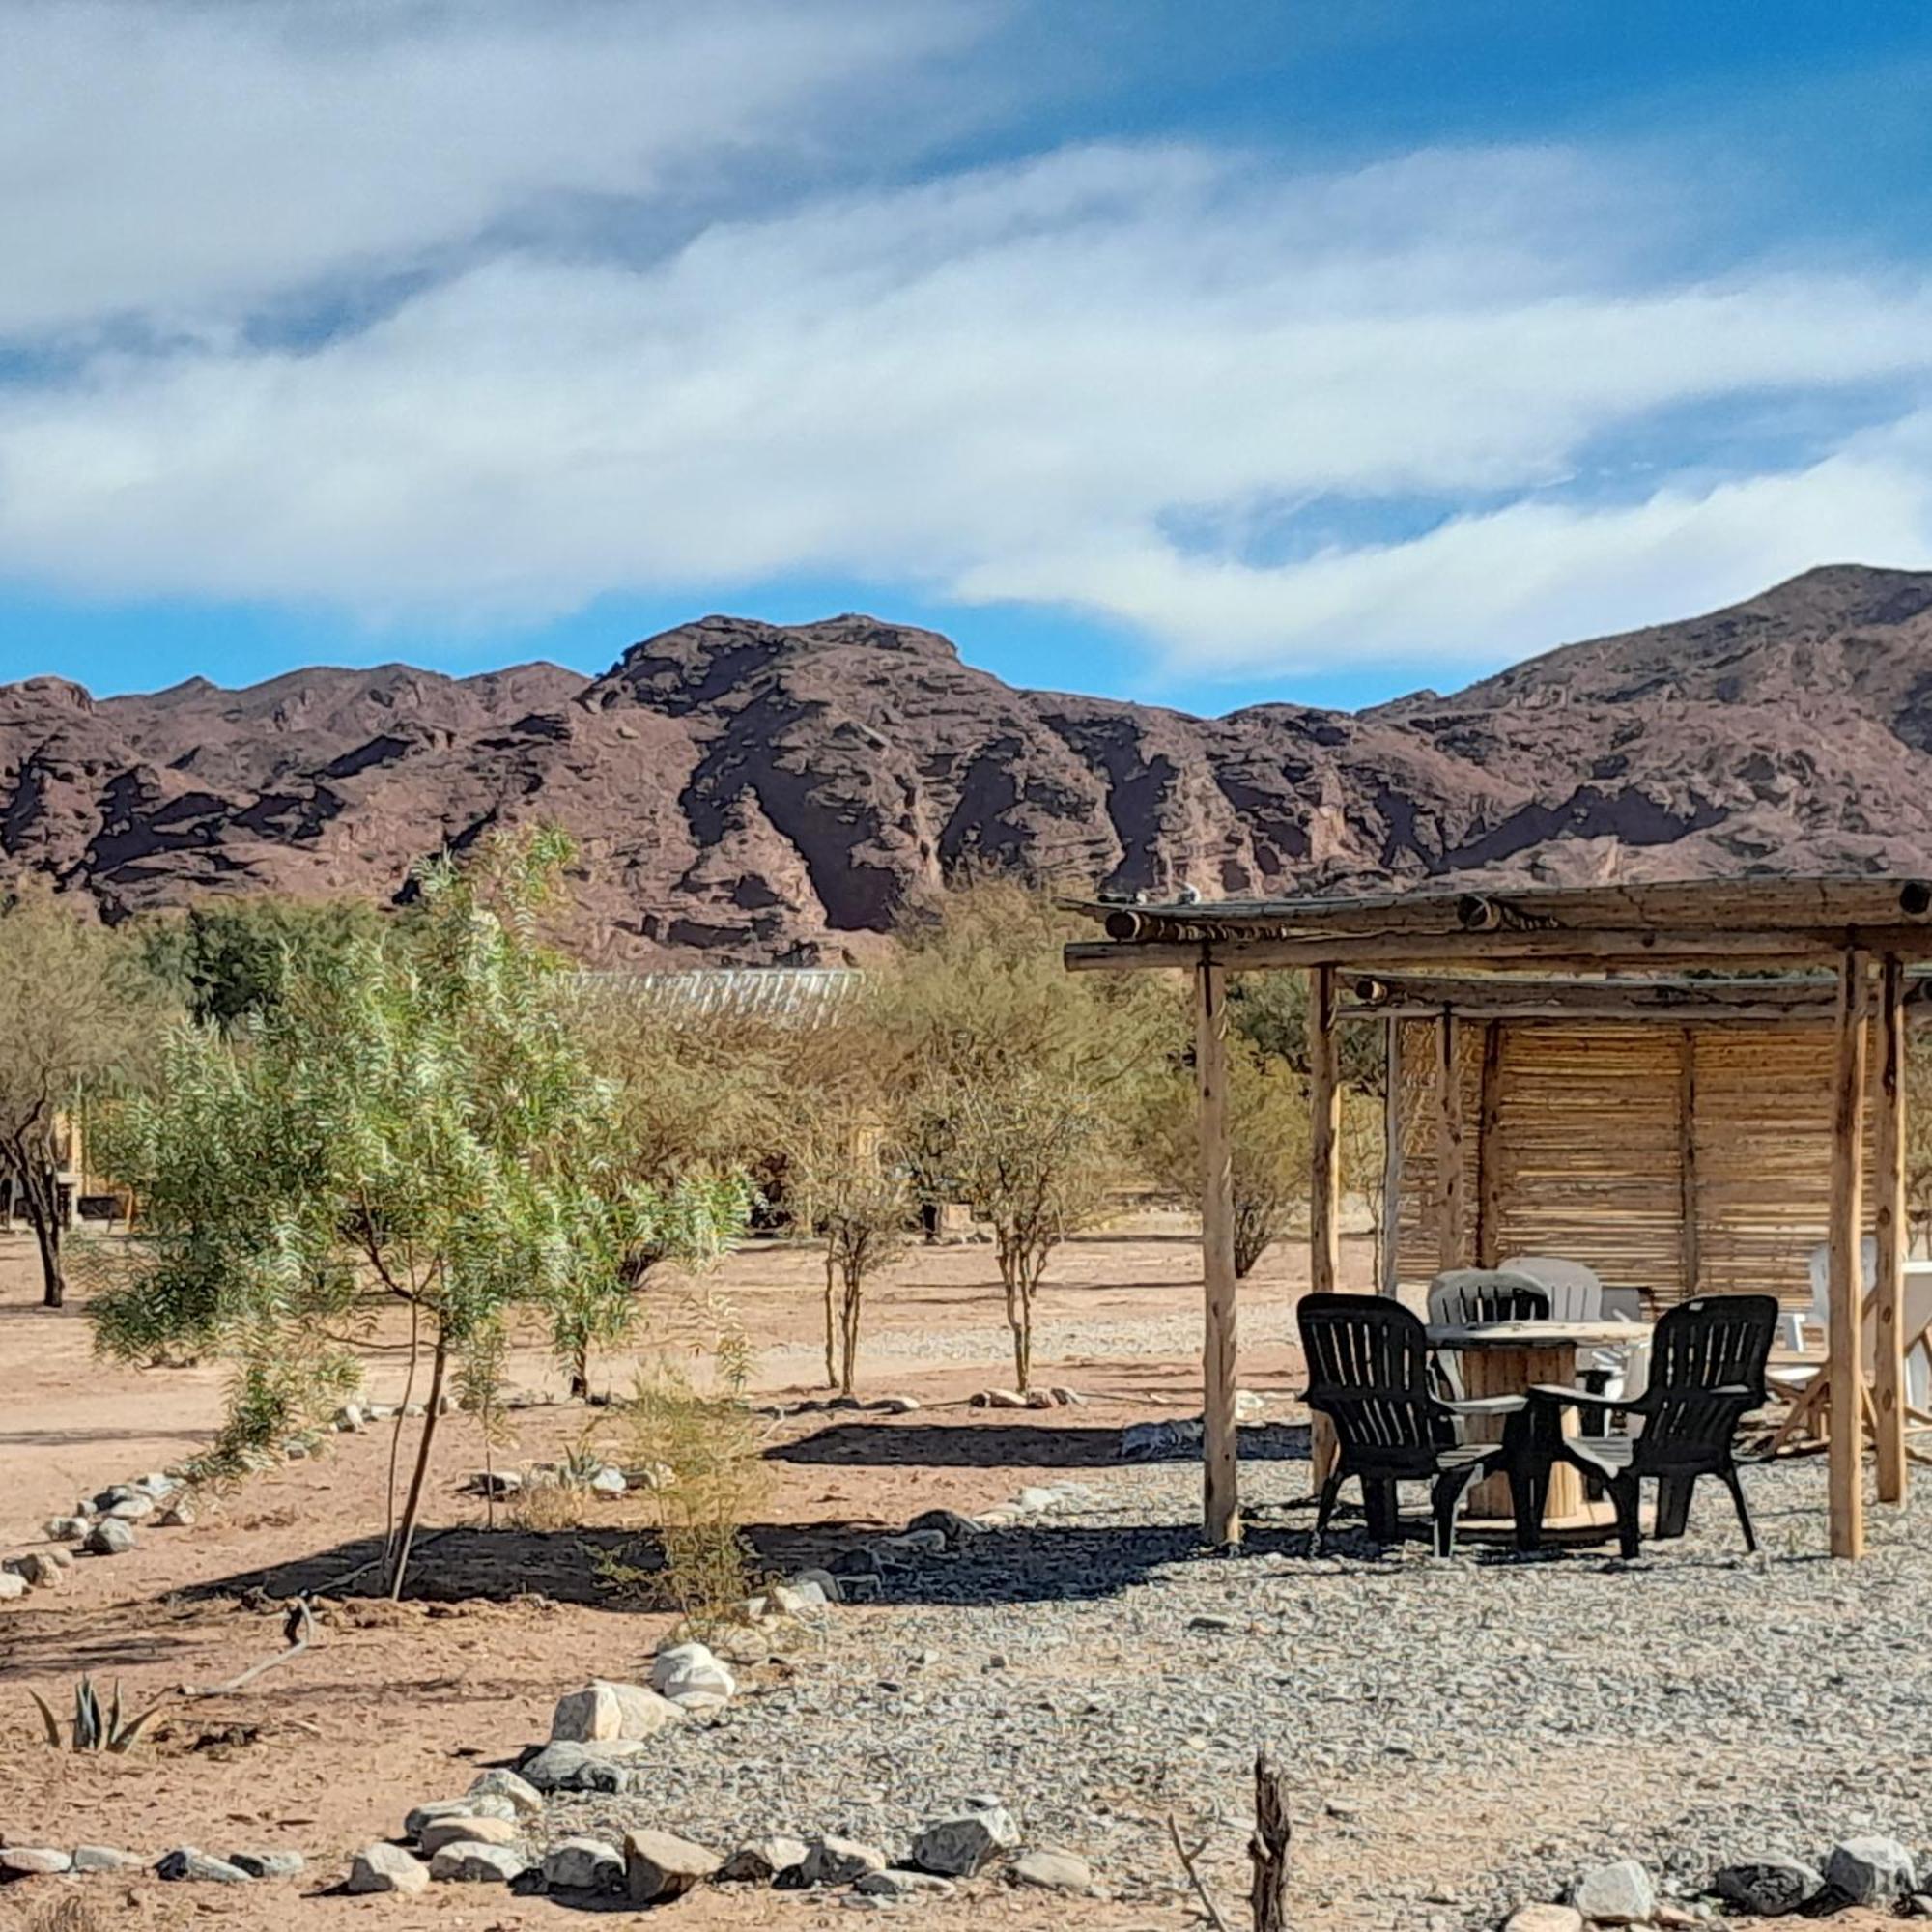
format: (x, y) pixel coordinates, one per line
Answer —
(545, 1509)
(69, 1913)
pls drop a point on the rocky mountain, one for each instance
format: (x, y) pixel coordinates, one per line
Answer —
(748, 792)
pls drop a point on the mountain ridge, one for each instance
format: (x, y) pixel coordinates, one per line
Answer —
(744, 792)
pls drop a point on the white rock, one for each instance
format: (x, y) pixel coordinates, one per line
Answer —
(522, 1797)
(1052, 1871)
(830, 1860)
(1034, 1498)
(473, 1863)
(827, 1585)
(36, 1568)
(109, 1537)
(1871, 1870)
(479, 1805)
(607, 1765)
(135, 1508)
(763, 1859)
(349, 1419)
(103, 1859)
(659, 1865)
(185, 1861)
(584, 1864)
(385, 1869)
(267, 1865)
(34, 1861)
(602, 1711)
(469, 1831)
(608, 1482)
(690, 1670)
(65, 1528)
(12, 1585)
(1615, 1894)
(965, 1844)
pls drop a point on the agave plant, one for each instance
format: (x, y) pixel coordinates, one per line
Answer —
(94, 1729)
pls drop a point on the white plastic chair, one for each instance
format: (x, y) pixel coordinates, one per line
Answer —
(1575, 1292)
(1916, 1314)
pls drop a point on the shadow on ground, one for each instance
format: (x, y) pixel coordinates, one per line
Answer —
(1011, 1445)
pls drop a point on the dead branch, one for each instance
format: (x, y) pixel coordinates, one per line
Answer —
(1189, 1866)
(300, 1629)
(1269, 1847)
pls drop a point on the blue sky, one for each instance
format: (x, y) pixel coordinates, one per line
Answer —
(1202, 354)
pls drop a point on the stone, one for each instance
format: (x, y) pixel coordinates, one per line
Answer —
(913, 1543)
(794, 1600)
(997, 1399)
(177, 1516)
(11, 1586)
(607, 1765)
(1040, 1399)
(465, 1831)
(1067, 1398)
(584, 1864)
(136, 1508)
(825, 1581)
(830, 1860)
(295, 1450)
(1035, 1499)
(603, 1712)
(683, 1670)
(157, 1484)
(956, 1529)
(349, 1419)
(1769, 1886)
(1620, 1894)
(105, 1859)
(1052, 1871)
(1871, 1870)
(1158, 1441)
(65, 1528)
(60, 1554)
(763, 1861)
(385, 1869)
(856, 1561)
(892, 1884)
(34, 1861)
(495, 1482)
(35, 1570)
(267, 1865)
(1544, 1919)
(898, 1405)
(109, 1537)
(521, 1796)
(185, 1862)
(660, 1865)
(478, 1806)
(471, 1861)
(965, 1844)
(608, 1482)
(414, 1411)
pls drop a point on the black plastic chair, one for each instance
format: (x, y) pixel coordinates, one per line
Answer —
(1368, 1373)
(1706, 1376)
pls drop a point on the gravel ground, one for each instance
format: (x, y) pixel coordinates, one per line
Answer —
(1465, 1736)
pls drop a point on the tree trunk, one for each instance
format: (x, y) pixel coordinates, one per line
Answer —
(848, 1365)
(831, 1326)
(580, 1370)
(413, 1503)
(42, 1200)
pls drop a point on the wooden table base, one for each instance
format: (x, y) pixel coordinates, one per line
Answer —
(1487, 1371)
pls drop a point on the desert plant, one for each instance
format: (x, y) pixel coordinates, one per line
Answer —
(69, 1912)
(1268, 1125)
(707, 1448)
(92, 1728)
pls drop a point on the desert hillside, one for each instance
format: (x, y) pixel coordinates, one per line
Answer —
(746, 792)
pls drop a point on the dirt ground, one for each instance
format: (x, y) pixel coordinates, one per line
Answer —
(398, 1704)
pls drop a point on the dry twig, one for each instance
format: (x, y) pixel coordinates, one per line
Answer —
(1189, 1866)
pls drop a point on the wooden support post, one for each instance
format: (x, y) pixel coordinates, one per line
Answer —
(1846, 1370)
(1391, 1256)
(1488, 1149)
(1324, 1137)
(1221, 1511)
(1448, 1143)
(1690, 1256)
(1889, 1224)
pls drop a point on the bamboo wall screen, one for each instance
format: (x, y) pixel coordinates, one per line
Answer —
(1584, 1153)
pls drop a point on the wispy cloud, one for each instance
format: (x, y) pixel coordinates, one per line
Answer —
(1007, 384)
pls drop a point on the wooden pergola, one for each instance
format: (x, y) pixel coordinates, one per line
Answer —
(1774, 969)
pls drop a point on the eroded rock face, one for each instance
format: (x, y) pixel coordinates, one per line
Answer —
(747, 793)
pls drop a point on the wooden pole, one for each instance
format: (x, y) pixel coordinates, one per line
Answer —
(1888, 1225)
(1488, 1155)
(1448, 1143)
(1325, 1109)
(1846, 1370)
(1391, 1270)
(1221, 1511)
(1689, 1242)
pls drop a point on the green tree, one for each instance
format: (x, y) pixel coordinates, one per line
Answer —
(77, 1014)
(1269, 1130)
(227, 960)
(420, 1116)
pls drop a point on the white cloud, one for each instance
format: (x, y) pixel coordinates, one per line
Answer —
(1011, 384)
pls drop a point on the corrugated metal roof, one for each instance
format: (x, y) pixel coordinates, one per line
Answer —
(798, 995)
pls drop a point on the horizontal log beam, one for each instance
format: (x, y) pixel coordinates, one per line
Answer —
(1588, 952)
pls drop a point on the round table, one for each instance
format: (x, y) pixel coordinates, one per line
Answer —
(1509, 1358)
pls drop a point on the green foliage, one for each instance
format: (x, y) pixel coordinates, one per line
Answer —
(1269, 1127)
(226, 961)
(418, 1114)
(92, 1728)
(1271, 1009)
(78, 1014)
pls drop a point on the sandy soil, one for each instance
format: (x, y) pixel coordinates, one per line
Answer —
(396, 1705)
